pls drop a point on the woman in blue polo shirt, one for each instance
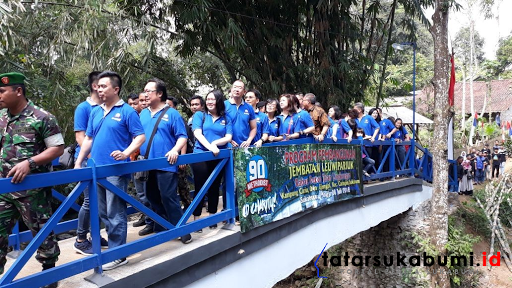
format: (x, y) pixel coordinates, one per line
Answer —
(213, 131)
(334, 132)
(370, 127)
(399, 136)
(290, 126)
(274, 122)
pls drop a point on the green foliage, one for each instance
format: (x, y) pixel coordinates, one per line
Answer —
(319, 47)
(399, 80)
(491, 130)
(459, 243)
(471, 214)
(423, 244)
(463, 44)
(331, 48)
(504, 53)
(505, 213)
(508, 147)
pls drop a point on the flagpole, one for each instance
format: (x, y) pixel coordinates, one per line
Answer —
(451, 102)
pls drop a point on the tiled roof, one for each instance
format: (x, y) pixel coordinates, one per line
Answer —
(499, 101)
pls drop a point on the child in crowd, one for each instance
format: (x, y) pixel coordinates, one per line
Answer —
(480, 168)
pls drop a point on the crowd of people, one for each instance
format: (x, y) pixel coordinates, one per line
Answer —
(148, 126)
(475, 167)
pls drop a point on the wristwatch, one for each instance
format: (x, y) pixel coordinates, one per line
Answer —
(32, 163)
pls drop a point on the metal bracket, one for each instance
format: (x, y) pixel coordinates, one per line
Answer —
(229, 226)
(99, 279)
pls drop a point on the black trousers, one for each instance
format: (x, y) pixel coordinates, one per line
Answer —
(497, 169)
(201, 173)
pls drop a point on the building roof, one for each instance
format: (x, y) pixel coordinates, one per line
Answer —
(403, 113)
(500, 96)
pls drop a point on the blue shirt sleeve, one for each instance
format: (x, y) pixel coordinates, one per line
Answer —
(81, 117)
(197, 121)
(229, 125)
(252, 115)
(134, 124)
(265, 125)
(345, 126)
(308, 121)
(90, 132)
(178, 126)
(296, 123)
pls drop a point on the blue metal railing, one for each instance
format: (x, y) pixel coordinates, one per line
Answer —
(92, 175)
(96, 174)
(453, 178)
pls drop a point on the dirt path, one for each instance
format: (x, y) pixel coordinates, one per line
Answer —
(508, 165)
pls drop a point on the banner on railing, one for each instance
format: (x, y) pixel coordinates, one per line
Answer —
(276, 182)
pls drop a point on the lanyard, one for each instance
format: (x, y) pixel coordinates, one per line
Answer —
(290, 124)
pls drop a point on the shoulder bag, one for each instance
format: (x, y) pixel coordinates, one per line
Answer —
(143, 175)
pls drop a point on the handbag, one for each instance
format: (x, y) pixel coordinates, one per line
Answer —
(67, 159)
(144, 175)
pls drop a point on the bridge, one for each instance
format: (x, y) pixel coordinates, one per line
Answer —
(217, 257)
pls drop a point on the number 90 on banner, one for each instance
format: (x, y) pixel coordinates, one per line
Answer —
(256, 169)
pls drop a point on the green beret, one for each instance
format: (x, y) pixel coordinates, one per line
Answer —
(12, 78)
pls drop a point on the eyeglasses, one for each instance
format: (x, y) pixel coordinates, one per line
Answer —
(148, 91)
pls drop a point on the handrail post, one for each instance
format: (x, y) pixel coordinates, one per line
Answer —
(412, 157)
(95, 222)
(425, 171)
(392, 156)
(230, 187)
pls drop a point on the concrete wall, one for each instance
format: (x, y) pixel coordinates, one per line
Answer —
(276, 261)
(398, 234)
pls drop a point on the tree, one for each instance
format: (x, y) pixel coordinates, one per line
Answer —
(439, 202)
(504, 56)
(466, 41)
(398, 78)
(462, 44)
(316, 46)
(56, 44)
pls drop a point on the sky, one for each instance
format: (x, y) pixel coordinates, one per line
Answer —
(491, 29)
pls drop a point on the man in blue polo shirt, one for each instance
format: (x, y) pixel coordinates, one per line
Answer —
(83, 110)
(170, 137)
(367, 123)
(306, 124)
(242, 115)
(113, 133)
(253, 97)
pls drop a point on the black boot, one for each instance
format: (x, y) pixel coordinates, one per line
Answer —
(141, 221)
(54, 284)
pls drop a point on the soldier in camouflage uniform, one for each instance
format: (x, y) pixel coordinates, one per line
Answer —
(183, 188)
(29, 140)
